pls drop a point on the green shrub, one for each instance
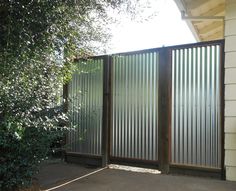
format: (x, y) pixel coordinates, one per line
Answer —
(39, 40)
(21, 153)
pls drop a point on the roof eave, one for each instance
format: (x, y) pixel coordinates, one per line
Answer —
(180, 4)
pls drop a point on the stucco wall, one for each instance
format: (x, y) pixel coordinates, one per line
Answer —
(230, 90)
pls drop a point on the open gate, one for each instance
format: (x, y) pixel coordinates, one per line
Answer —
(161, 107)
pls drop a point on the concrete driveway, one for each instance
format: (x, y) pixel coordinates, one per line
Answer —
(119, 180)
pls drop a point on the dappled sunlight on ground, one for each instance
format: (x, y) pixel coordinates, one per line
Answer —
(134, 169)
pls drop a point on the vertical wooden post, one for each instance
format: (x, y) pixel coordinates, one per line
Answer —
(164, 109)
(222, 108)
(65, 110)
(65, 97)
(106, 110)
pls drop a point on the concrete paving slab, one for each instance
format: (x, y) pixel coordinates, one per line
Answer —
(118, 180)
(56, 173)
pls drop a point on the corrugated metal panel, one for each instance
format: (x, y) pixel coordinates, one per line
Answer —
(134, 112)
(196, 129)
(85, 105)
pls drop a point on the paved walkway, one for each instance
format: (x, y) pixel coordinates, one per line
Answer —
(119, 180)
(57, 173)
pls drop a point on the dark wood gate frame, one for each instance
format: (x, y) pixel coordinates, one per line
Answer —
(164, 113)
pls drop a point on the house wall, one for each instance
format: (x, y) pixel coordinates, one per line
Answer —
(230, 90)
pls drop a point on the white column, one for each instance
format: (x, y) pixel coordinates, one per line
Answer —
(230, 89)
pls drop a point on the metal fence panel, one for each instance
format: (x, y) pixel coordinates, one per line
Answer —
(134, 110)
(85, 106)
(196, 129)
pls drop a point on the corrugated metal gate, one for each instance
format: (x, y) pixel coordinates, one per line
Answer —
(161, 106)
(134, 130)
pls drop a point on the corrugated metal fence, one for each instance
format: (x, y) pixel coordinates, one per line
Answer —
(196, 110)
(194, 135)
(85, 105)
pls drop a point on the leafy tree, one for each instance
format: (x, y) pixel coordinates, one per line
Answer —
(38, 41)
